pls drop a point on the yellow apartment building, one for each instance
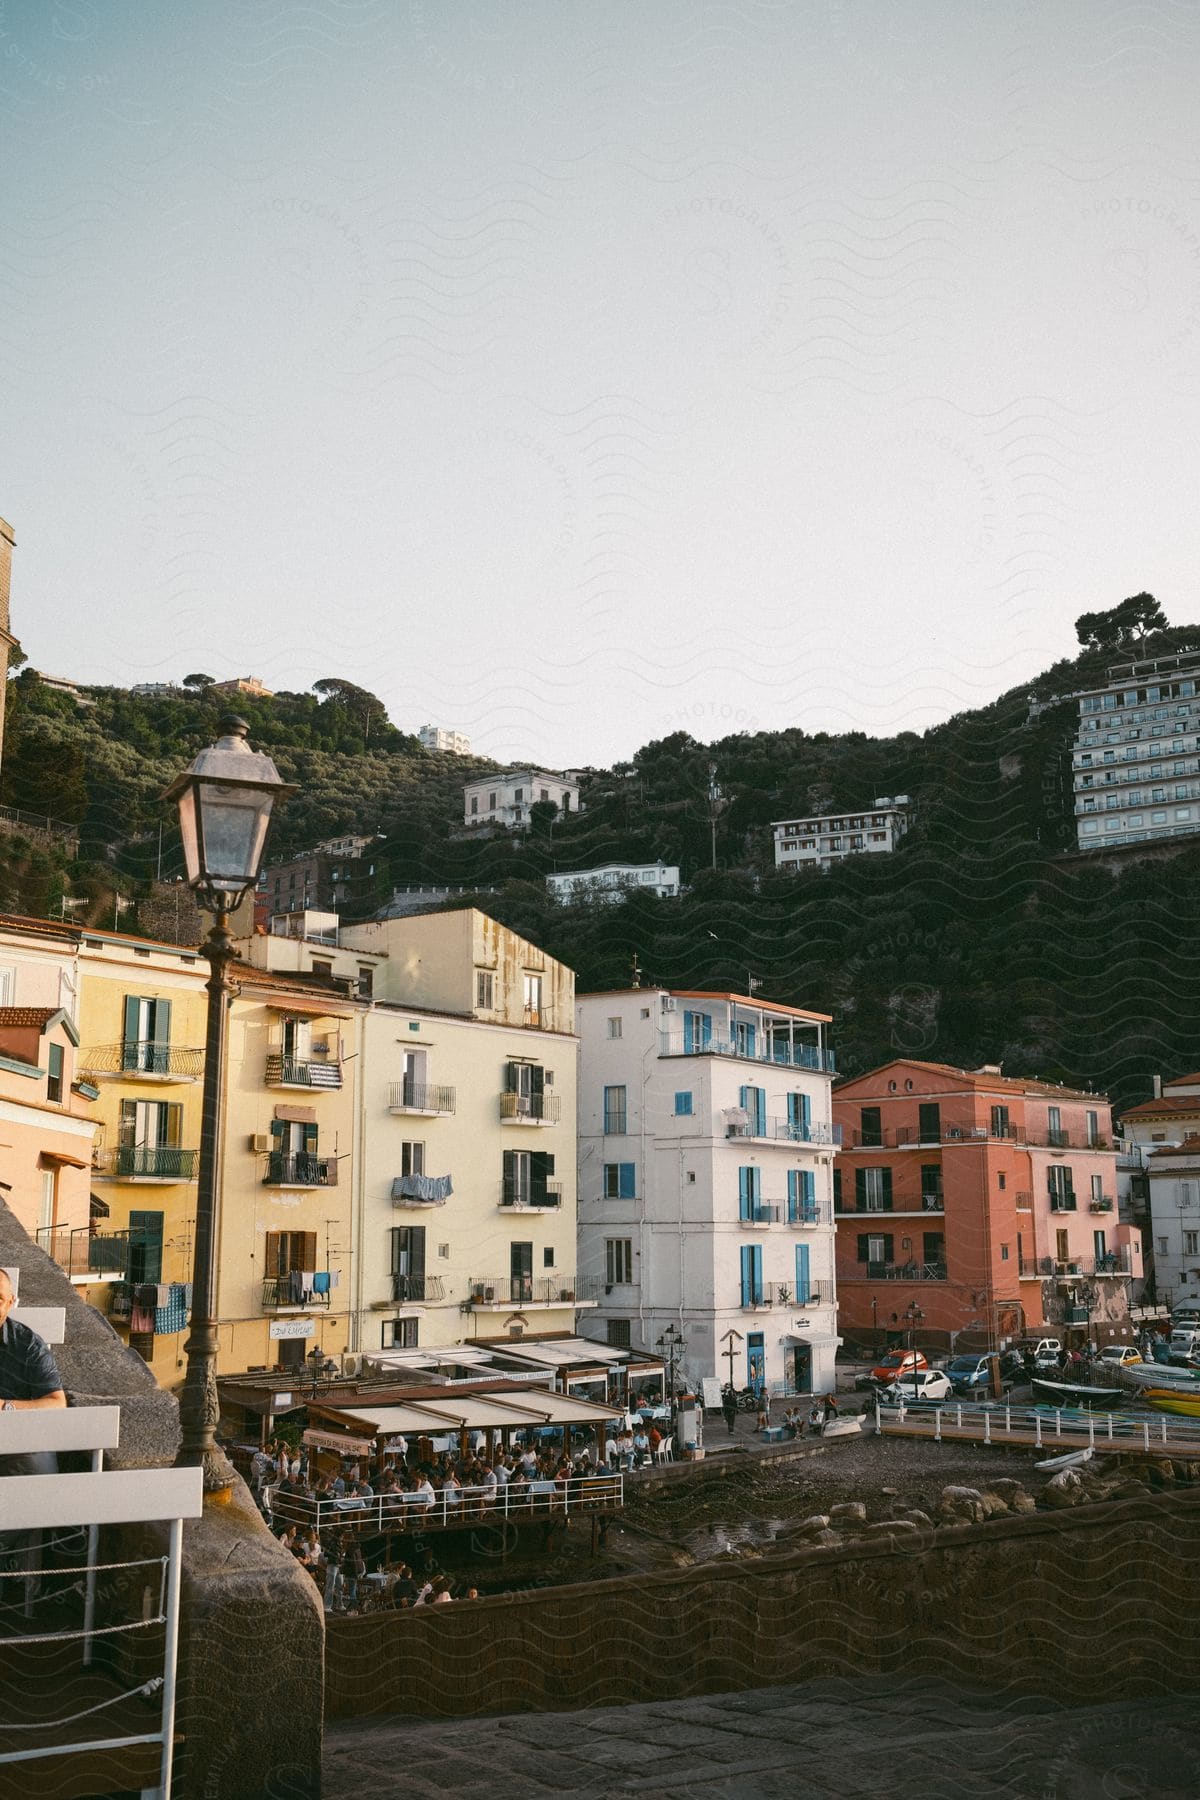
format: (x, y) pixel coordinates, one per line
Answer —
(142, 1007)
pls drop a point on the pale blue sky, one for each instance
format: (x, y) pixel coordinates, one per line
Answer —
(571, 373)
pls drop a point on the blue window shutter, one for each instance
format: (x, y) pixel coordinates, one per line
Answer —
(802, 1280)
(793, 1193)
(744, 1193)
(746, 1272)
(706, 1022)
(688, 1035)
(809, 1183)
(760, 1111)
(628, 1171)
(756, 1269)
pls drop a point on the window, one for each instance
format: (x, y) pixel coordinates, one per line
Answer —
(485, 990)
(875, 1247)
(548, 1257)
(400, 1334)
(146, 1044)
(749, 1192)
(146, 1243)
(802, 1197)
(491, 802)
(753, 1102)
(1162, 1246)
(929, 1125)
(1062, 1192)
(1000, 1121)
(931, 1185)
(617, 1333)
(870, 1127)
(475, 803)
(620, 1181)
(1004, 1253)
(683, 1105)
(614, 1027)
(533, 999)
(412, 1158)
(751, 1272)
(366, 980)
(614, 1112)
(873, 1190)
(799, 1117)
(1191, 1243)
(288, 1252)
(518, 793)
(527, 1176)
(1002, 1181)
(618, 1262)
(54, 1078)
(322, 968)
(148, 1138)
(407, 1262)
(1097, 1187)
(1054, 1126)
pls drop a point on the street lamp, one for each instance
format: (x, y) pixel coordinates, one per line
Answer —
(669, 1347)
(323, 1368)
(225, 800)
(915, 1316)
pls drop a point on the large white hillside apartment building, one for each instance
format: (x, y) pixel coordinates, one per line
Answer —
(1136, 761)
(506, 799)
(817, 841)
(1158, 1184)
(611, 882)
(705, 1183)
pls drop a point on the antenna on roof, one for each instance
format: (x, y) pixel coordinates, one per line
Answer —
(637, 971)
(752, 984)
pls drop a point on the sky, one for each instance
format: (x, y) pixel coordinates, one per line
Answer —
(574, 372)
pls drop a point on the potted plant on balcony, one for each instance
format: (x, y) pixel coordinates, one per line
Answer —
(785, 1294)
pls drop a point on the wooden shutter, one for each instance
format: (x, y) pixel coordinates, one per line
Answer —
(887, 1187)
(510, 1078)
(860, 1189)
(864, 1247)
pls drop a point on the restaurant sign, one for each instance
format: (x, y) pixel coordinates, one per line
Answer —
(292, 1328)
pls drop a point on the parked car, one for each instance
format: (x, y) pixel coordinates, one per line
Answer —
(972, 1374)
(890, 1367)
(1184, 1348)
(921, 1385)
(1119, 1353)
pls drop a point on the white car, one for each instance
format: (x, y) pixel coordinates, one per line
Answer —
(926, 1384)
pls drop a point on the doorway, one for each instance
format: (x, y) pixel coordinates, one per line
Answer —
(801, 1369)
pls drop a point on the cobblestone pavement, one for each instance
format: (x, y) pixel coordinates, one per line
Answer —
(821, 1741)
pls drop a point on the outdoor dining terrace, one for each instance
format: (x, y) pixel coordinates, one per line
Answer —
(459, 1509)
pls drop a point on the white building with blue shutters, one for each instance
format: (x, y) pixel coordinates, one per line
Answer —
(706, 1148)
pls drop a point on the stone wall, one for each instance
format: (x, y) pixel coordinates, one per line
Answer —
(250, 1697)
(1050, 1602)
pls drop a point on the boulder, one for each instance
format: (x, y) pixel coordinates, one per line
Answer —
(847, 1514)
(1006, 1489)
(961, 1505)
(1161, 1472)
(1022, 1503)
(1064, 1489)
(916, 1517)
(891, 1528)
(993, 1506)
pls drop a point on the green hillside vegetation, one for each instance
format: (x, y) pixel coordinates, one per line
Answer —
(982, 939)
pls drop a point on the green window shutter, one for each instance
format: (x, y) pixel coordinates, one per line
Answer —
(131, 1018)
(510, 1078)
(860, 1189)
(161, 1017)
(887, 1187)
(864, 1247)
(173, 1125)
(310, 1140)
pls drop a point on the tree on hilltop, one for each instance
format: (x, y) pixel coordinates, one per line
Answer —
(1121, 625)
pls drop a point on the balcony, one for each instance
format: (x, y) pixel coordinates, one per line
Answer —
(1102, 1203)
(284, 1293)
(793, 1056)
(757, 1295)
(933, 1201)
(142, 1060)
(1023, 1200)
(85, 1257)
(417, 1290)
(530, 1109)
(1062, 1203)
(533, 1196)
(884, 1271)
(421, 1190)
(295, 1072)
(757, 1215)
(300, 1171)
(417, 1097)
(496, 1293)
(807, 1214)
(787, 1132)
(819, 1292)
(532, 1018)
(136, 1162)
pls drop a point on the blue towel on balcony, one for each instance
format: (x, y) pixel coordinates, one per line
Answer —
(321, 1281)
(421, 1187)
(173, 1316)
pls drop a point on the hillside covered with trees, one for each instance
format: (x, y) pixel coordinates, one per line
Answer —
(983, 938)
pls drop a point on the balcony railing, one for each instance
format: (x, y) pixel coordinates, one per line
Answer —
(421, 1190)
(533, 1196)
(522, 1290)
(530, 1109)
(84, 1256)
(293, 1071)
(758, 1294)
(933, 1200)
(300, 1171)
(417, 1290)
(417, 1097)
(885, 1271)
(820, 1291)
(452, 1509)
(130, 1162)
(807, 1212)
(285, 1292)
(142, 1057)
(1063, 1202)
(1100, 1203)
(795, 1056)
(758, 1212)
(786, 1131)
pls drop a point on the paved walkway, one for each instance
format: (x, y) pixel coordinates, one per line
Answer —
(821, 1741)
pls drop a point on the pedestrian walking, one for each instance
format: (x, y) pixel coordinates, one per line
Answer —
(729, 1408)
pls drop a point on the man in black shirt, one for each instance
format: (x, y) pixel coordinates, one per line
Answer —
(28, 1379)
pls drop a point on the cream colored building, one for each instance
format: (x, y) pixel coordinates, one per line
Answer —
(468, 1202)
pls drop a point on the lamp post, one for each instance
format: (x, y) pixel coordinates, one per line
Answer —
(915, 1316)
(225, 799)
(669, 1346)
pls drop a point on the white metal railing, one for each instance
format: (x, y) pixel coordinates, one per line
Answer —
(1051, 1424)
(34, 1503)
(445, 1509)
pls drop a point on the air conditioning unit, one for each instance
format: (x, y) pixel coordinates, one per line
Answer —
(352, 1365)
(670, 1004)
(260, 1143)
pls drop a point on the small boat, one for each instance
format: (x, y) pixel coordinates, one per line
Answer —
(1160, 1375)
(1076, 1394)
(1071, 1460)
(1174, 1400)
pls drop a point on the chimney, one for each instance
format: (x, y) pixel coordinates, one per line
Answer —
(1156, 1081)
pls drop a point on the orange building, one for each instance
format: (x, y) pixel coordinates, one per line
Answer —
(46, 1125)
(972, 1207)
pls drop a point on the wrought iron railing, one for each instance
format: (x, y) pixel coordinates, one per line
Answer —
(417, 1290)
(538, 1109)
(138, 1162)
(81, 1253)
(141, 1057)
(288, 1291)
(294, 1071)
(300, 1171)
(522, 1290)
(417, 1096)
(532, 1195)
(796, 1056)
